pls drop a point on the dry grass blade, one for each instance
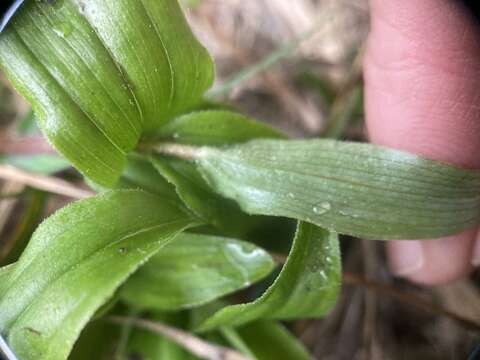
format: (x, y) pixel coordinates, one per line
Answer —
(264, 64)
(196, 346)
(41, 182)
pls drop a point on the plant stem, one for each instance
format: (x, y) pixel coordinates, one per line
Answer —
(181, 151)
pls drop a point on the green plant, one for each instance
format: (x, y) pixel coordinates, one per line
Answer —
(188, 190)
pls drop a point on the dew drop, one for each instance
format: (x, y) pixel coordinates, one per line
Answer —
(322, 208)
(291, 195)
(323, 275)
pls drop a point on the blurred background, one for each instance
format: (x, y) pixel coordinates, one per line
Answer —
(297, 66)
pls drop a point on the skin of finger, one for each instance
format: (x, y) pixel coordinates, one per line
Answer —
(445, 260)
(421, 84)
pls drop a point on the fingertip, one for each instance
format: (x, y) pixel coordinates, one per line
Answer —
(405, 257)
(421, 90)
(421, 80)
(433, 262)
(476, 252)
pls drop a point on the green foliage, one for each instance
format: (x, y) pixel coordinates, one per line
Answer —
(194, 270)
(266, 340)
(101, 73)
(74, 263)
(356, 189)
(117, 88)
(312, 272)
(201, 199)
(215, 128)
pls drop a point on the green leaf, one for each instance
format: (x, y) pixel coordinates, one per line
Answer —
(215, 128)
(199, 197)
(101, 73)
(194, 270)
(307, 286)
(266, 340)
(74, 263)
(356, 189)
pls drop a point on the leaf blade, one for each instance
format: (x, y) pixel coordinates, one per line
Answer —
(94, 90)
(64, 276)
(265, 340)
(307, 286)
(214, 128)
(356, 189)
(194, 270)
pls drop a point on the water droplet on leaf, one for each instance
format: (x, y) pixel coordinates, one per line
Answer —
(322, 208)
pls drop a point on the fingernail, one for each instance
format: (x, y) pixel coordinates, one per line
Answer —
(405, 257)
(476, 252)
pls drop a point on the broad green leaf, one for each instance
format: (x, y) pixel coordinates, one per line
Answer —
(350, 188)
(266, 340)
(215, 128)
(199, 197)
(194, 270)
(307, 286)
(73, 264)
(100, 73)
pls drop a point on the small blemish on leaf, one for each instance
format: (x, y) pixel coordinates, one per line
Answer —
(33, 331)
